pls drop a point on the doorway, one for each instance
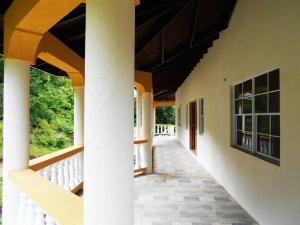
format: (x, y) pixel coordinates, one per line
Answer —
(193, 125)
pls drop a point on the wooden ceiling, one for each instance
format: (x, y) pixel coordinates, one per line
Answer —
(171, 37)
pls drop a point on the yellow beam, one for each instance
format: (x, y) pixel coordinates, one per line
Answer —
(165, 103)
(137, 2)
(25, 23)
(65, 207)
(58, 54)
(143, 81)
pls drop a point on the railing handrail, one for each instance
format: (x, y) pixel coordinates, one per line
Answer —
(46, 160)
(138, 142)
(157, 124)
(49, 196)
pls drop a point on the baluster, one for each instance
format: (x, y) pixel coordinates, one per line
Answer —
(72, 173)
(54, 178)
(80, 166)
(243, 140)
(60, 175)
(21, 209)
(264, 147)
(49, 220)
(76, 170)
(39, 216)
(250, 142)
(66, 174)
(29, 216)
(138, 157)
(45, 173)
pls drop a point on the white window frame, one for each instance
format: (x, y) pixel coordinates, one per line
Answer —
(254, 115)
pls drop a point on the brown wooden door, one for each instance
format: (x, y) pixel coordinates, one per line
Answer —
(193, 124)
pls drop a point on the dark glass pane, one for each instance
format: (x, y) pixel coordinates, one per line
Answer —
(247, 106)
(238, 91)
(247, 88)
(261, 105)
(263, 144)
(261, 84)
(239, 122)
(274, 102)
(239, 138)
(248, 123)
(263, 124)
(275, 147)
(238, 106)
(274, 82)
(275, 125)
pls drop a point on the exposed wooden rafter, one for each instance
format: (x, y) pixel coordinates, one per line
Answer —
(169, 14)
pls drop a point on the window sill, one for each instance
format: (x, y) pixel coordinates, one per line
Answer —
(265, 158)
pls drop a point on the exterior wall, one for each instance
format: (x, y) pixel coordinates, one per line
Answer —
(263, 34)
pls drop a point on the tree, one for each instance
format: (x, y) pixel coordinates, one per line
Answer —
(51, 111)
(165, 115)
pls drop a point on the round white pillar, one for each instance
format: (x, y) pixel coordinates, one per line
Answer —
(78, 115)
(147, 129)
(139, 115)
(108, 119)
(16, 127)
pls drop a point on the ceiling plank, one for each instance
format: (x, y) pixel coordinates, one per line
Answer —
(152, 35)
(174, 6)
(209, 37)
(195, 22)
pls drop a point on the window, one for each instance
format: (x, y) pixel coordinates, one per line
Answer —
(187, 117)
(256, 116)
(179, 116)
(201, 116)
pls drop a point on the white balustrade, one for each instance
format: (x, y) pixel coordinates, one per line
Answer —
(67, 173)
(165, 129)
(137, 157)
(29, 213)
(135, 133)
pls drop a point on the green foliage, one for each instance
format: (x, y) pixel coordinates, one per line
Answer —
(165, 115)
(51, 112)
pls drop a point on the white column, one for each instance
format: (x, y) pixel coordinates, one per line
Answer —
(139, 115)
(109, 75)
(154, 120)
(78, 115)
(15, 131)
(147, 129)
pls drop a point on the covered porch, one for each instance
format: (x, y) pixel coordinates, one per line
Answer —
(232, 92)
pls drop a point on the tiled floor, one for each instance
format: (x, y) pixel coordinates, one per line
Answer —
(181, 192)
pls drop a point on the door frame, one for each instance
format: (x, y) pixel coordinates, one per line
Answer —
(193, 125)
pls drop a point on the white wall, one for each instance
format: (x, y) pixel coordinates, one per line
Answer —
(263, 34)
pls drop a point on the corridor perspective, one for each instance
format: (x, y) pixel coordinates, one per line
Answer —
(181, 192)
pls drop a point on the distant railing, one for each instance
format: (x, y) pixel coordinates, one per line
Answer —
(138, 160)
(165, 129)
(40, 199)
